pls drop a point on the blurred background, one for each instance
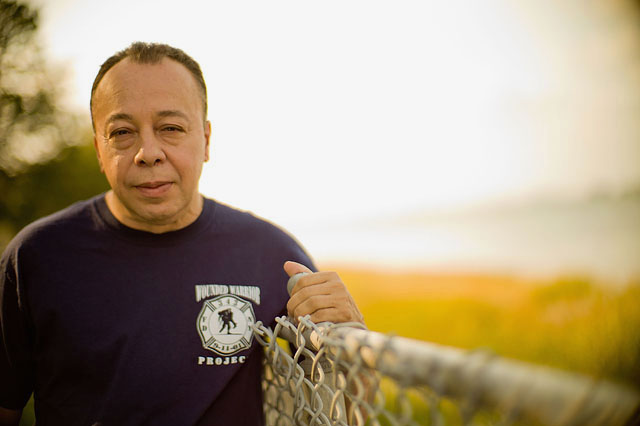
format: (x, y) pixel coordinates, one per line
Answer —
(471, 169)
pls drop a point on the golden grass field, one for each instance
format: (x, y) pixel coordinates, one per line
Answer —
(570, 323)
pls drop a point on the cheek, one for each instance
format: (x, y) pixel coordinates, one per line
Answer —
(188, 162)
(189, 170)
(116, 167)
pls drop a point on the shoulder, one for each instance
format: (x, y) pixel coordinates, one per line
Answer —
(232, 219)
(59, 225)
(252, 230)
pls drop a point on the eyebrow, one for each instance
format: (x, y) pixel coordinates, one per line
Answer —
(172, 113)
(119, 116)
(164, 113)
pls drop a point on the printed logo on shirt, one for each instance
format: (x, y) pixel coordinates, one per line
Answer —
(224, 325)
(251, 292)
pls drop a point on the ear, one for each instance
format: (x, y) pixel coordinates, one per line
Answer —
(207, 137)
(95, 146)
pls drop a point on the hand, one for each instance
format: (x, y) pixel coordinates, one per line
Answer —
(322, 295)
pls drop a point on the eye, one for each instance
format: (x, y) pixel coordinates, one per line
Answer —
(119, 133)
(172, 128)
(122, 138)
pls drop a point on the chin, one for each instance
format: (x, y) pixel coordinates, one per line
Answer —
(162, 211)
(160, 216)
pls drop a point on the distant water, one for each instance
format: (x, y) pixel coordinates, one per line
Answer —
(599, 239)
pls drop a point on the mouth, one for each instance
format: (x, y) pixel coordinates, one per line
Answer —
(154, 189)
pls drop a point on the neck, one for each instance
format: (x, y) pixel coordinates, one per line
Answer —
(153, 222)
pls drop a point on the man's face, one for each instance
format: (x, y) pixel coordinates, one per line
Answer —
(151, 142)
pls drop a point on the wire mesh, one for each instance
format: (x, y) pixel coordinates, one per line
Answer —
(342, 374)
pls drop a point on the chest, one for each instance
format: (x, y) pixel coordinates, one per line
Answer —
(149, 311)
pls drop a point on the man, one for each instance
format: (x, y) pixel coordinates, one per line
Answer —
(134, 307)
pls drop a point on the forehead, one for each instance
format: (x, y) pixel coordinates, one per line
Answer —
(131, 88)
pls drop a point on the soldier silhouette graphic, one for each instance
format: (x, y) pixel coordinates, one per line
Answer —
(226, 317)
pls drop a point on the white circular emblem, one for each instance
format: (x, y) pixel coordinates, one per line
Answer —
(224, 324)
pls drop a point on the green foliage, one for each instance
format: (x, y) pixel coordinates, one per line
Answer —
(33, 128)
(16, 21)
(46, 158)
(45, 188)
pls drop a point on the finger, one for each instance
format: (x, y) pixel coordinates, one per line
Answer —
(293, 281)
(292, 268)
(333, 315)
(301, 307)
(315, 282)
(312, 285)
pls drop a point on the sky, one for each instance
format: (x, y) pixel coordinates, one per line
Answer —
(347, 111)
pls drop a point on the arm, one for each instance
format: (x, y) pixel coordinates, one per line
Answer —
(9, 417)
(16, 368)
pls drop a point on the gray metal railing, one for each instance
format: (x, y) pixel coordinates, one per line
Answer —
(341, 374)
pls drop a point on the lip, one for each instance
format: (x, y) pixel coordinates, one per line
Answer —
(154, 189)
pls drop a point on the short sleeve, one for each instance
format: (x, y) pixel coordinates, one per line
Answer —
(16, 355)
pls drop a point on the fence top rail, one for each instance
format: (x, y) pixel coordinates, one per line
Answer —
(547, 395)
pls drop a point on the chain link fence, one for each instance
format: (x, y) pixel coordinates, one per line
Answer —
(342, 374)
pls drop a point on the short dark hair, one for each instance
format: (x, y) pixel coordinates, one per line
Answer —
(151, 53)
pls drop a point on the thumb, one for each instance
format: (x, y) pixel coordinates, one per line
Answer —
(292, 268)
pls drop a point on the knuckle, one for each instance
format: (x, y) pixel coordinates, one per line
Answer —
(299, 311)
(310, 306)
(317, 303)
(322, 316)
(334, 288)
(303, 280)
(314, 304)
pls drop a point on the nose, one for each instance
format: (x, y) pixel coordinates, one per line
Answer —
(150, 152)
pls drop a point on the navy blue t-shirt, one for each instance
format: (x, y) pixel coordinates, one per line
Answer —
(114, 326)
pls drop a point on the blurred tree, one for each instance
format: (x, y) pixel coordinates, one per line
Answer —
(46, 158)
